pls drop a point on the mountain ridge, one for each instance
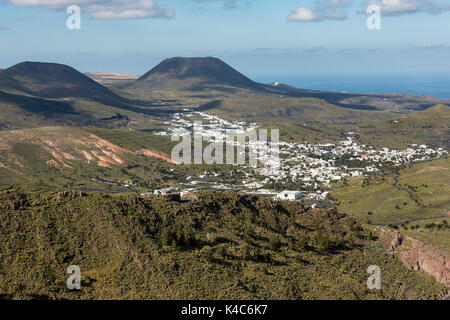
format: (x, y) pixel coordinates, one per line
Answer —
(211, 76)
(175, 82)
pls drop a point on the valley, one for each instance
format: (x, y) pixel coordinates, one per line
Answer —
(93, 153)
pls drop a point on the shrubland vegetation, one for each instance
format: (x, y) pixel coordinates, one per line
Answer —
(222, 246)
(435, 232)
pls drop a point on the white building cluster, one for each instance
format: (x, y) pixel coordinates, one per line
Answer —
(211, 126)
(316, 166)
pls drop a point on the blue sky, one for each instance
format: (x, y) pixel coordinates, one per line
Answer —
(258, 37)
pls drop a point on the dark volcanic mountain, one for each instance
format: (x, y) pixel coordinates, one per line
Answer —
(9, 84)
(35, 93)
(51, 80)
(194, 74)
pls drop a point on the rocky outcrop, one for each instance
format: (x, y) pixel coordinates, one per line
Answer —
(417, 255)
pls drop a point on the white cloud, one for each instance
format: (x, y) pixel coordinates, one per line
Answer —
(104, 9)
(337, 9)
(323, 10)
(302, 14)
(400, 7)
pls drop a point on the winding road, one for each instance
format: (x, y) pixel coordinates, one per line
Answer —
(411, 194)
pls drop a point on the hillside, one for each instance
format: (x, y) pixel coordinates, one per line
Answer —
(431, 127)
(20, 111)
(415, 206)
(50, 158)
(109, 78)
(201, 80)
(52, 80)
(34, 94)
(10, 85)
(222, 246)
(193, 74)
(414, 194)
(92, 159)
(285, 110)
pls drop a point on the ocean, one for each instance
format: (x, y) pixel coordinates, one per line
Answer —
(437, 85)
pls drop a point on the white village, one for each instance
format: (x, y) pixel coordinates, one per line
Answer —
(311, 167)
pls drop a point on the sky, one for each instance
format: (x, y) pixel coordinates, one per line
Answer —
(258, 37)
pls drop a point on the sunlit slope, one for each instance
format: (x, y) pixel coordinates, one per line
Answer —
(422, 192)
(50, 157)
(292, 111)
(222, 246)
(431, 126)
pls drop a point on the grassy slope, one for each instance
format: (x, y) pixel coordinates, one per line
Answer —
(134, 140)
(431, 127)
(24, 155)
(77, 160)
(429, 183)
(223, 246)
(435, 232)
(293, 111)
(311, 133)
(13, 117)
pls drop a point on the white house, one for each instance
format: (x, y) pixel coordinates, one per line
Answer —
(289, 195)
(165, 191)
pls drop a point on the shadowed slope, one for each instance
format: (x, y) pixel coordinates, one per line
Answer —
(51, 80)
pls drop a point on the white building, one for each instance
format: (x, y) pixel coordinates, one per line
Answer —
(289, 195)
(165, 191)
